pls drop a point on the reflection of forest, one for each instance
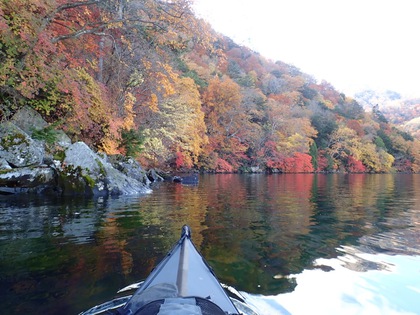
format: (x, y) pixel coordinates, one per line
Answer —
(254, 230)
(273, 226)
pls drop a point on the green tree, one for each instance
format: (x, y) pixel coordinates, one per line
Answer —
(313, 152)
(132, 142)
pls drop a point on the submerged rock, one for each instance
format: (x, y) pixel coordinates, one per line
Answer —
(186, 179)
(154, 176)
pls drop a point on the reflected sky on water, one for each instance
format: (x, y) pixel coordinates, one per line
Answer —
(335, 286)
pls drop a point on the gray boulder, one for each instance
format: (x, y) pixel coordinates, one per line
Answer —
(94, 175)
(4, 165)
(17, 148)
(120, 184)
(27, 179)
(62, 139)
(28, 120)
(129, 167)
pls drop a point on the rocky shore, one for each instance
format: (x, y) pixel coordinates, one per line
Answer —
(36, 159)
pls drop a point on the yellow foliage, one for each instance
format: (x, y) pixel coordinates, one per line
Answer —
(153, 104)
(414, 151)
(98, 112)
(115, 25)
(166, 79)
(109, 146)
(399, 143)
(128, 122)
(369, 157)
(329, 104)
(386, 161)
(179, 127)
(126, 42)
(344, 142)
(146, 64)
(297, 142)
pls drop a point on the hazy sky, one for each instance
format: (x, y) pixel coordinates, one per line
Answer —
(353, 44)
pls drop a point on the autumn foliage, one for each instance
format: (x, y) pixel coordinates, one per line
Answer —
(105, 71)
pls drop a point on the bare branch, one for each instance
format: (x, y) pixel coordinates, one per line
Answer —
(96, 27)
(76, 4)
(70, 5)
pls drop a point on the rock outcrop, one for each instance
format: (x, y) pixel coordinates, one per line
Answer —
(28, 166)
(95, 175)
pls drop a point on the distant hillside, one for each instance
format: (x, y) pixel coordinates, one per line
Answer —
(413, 127)
(404, 113)
(149, 79)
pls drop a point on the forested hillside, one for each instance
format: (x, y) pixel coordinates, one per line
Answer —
(148, 79)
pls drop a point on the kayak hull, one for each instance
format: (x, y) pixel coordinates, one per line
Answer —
(182, 273)
(182, 283)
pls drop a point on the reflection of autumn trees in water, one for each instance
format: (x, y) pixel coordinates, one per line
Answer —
(255, 218)
(259, 217)
(254, 230)
(262, 227)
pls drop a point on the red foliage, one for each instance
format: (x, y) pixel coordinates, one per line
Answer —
(286, 99)
(329, 92)
(299, 163)
(179, 159)
(223, 166)
(355, 166)
(235, 53)
(270, 155)
(253, 63)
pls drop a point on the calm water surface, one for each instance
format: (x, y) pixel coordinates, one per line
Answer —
(294, 244)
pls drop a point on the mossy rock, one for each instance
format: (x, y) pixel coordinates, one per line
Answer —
(72, 181)
(17, 148)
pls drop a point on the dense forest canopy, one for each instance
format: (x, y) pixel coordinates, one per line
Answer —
(149, 79)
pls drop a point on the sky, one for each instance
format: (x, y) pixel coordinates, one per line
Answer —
(352, 44)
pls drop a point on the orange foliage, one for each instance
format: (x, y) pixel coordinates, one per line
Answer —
(356, 126)
(329, 93)
(96, 69)
(287, 99)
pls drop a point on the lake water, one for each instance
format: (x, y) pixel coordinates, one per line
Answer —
(293, 244)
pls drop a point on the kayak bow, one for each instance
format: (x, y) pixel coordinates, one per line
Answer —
(182, 283)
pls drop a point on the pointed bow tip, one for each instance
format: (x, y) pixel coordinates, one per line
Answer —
(186, 231)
